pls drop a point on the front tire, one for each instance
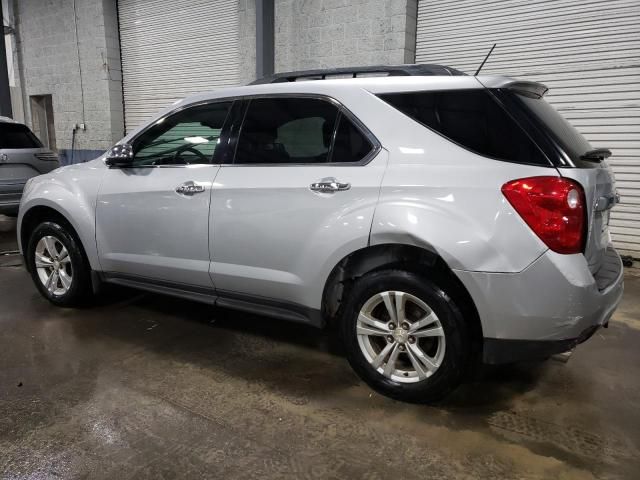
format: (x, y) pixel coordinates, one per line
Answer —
(404, 336)
(57, 265)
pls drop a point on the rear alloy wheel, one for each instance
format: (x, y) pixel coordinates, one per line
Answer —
(401, 336)
(405, 336)
(57, 264)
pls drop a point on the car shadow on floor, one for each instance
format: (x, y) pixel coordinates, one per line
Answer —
(301, 350)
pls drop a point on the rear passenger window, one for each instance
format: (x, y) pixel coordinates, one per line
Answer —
(304, 137)
(472, 119)
(298, 131)
(286, 130)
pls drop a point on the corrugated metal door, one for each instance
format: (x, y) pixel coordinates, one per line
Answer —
(171, 49)
(586, 52)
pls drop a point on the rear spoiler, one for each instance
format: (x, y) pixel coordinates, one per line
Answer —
(523, 87)
(529, 89)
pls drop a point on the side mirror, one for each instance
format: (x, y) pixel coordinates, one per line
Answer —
(120, 156)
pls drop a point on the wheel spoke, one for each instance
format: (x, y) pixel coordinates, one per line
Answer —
(379, 360)
(42, 261)
(390, 367)
(423, 322)
(63, 256)
(372, 322)
(52, 282)
(422, 374)
(389, 303)
(50, 246)
(429, 332)
(360, 330)
(424, 359)
(65, 279)
(401, 301)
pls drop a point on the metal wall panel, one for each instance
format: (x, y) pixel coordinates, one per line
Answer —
(171, 49)
(586, 51)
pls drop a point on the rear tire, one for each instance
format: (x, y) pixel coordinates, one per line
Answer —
(58, 265)
(404, 336)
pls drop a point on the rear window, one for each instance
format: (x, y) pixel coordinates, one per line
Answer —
(473, 119)
(565, 134)
(14, 135)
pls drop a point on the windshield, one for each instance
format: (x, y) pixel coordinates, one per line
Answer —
(565, 134)
(15, 135)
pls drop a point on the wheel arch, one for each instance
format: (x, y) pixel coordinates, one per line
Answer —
(399, 256)
(38, 214)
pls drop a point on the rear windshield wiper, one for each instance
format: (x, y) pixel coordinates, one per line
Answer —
(596, 155)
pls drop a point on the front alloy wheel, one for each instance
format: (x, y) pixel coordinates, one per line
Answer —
(58, 265)
(53, 265)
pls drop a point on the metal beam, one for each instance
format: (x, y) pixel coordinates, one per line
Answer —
(265, 16)
(5, 92)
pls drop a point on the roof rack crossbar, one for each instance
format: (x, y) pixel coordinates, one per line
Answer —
(390, 70)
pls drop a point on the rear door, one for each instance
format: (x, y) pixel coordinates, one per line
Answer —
(300, 194)
(152, 218)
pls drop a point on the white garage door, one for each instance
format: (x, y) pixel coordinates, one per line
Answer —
(586, 52)
(171, 49)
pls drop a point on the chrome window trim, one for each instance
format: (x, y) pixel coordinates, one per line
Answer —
(342, 109)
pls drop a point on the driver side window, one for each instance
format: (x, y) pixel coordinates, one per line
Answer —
(187, 137)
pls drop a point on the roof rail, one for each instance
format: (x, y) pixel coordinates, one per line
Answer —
(353, 72)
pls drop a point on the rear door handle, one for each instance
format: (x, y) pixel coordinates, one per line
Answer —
(329, 185)
(189, 188)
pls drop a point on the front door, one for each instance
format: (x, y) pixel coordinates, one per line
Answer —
(300, 194)
(152, 218)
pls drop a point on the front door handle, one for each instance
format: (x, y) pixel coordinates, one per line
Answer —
(329, 185)
(189, 188)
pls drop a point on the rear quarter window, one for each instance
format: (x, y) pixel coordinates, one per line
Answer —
(473, 119)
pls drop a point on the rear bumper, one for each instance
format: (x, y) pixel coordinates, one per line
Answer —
(550, 307)
(496, 350)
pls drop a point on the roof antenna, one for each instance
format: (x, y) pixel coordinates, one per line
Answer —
(484, 61)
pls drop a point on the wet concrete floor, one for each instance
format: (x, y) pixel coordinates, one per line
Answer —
(142, 386)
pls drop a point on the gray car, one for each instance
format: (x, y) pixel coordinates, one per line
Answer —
(22, 156)
(436, 219)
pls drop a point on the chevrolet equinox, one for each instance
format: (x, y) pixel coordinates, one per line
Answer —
(436, 219)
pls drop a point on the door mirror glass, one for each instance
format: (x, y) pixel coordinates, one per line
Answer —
(120, 155)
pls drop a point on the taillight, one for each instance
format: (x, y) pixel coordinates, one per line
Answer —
(554, 208)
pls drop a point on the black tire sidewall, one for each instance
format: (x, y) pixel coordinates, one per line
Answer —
(81, 277)
(457, 349)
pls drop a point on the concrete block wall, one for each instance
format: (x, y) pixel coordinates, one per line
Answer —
(83, 76)
(50, 59)
(247, 40)
(333, 33)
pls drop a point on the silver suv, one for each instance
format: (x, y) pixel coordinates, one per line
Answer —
(436, 219)
(22, 156)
